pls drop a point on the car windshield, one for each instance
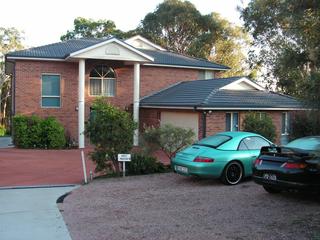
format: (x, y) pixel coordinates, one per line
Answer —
(308, 143)
(213, 141)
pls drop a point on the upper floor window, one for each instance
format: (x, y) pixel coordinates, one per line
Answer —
(50, 91)
(102, 81)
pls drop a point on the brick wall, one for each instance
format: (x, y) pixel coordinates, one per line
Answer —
(28, 87)
(215, 121)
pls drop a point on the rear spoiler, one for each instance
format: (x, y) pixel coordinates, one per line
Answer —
(284, 151)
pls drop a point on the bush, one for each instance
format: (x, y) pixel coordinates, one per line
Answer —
(168, 138)
(34, 132)
(2, 130)
(52, 133)
(141, 164)
(260, 125)
(111, 131)
(305, 124)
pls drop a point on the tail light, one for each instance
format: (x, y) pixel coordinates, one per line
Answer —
(203, 159)
(258, 161)
(294, 165)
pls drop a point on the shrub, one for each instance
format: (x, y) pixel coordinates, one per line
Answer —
(305, 124)
(262, 125)
(111, 131)
(52, 133)
(34, 132)
(142, 164)
(2, 130)
(168, 138)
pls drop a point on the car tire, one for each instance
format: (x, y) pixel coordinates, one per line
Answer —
(271, 190)
(232, 173)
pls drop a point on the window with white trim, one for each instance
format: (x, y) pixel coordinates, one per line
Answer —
(232, 121)
(102, 81)
(285, 123)
(50, 91)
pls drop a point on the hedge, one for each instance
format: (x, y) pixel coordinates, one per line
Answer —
(34, 132)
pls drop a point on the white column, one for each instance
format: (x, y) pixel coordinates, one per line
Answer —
(81, 103)
(136, 97)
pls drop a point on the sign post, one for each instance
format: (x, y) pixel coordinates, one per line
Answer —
(124, 158)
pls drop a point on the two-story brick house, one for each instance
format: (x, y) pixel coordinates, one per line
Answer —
(62, 80)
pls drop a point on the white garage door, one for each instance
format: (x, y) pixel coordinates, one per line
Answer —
(185, 120)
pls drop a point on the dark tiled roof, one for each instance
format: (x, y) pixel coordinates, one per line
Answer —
(208, 94)
(59, 50)
(62, 50)
(171, 58)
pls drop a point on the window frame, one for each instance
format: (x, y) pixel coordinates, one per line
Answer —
(50, 96)
(102, 82)
(231, 121)
(248, 149)
(286, 124)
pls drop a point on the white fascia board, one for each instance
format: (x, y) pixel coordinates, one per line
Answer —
(247, 81)
(167, 107)
(252, 109)
(146, 41)
(36, 59)
(74, 54)
(182, 66)
(226, 109)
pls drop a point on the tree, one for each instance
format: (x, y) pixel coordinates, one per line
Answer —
(261, 124)
(287, 35)
(230, 49)
(168, 138)
(111, 131)
(178, 26)
(10, 40)
(89, 28)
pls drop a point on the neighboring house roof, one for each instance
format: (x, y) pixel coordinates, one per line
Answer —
(63, 50)
(210, 94)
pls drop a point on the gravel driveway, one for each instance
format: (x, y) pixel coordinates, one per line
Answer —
(169, 206)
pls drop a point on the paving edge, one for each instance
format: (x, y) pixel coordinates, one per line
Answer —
(38, 186)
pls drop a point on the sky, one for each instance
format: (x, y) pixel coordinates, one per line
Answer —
(44, 21)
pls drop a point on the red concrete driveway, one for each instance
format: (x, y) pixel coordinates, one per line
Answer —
(21, 167)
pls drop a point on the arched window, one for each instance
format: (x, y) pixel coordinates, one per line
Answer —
(102, 81)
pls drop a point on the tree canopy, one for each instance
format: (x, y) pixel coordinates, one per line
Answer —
(178, 26)
(89, 28)
(287, 34)
(10, 40)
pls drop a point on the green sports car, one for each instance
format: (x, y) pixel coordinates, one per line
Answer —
(226, 155)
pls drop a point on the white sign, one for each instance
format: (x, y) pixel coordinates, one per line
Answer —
(124, 157)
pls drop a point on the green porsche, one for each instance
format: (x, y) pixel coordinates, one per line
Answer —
(226, 155)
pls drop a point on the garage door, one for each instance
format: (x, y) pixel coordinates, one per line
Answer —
(185, 120)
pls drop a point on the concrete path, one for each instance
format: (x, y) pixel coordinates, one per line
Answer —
(32, 214)
(6, 142)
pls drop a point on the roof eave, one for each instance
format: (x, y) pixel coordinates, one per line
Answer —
(35, 58)
(184, 66)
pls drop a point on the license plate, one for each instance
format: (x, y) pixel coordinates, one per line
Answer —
(180, 169)
(270, 176)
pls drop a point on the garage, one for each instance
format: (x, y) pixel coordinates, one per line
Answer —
(181, 119)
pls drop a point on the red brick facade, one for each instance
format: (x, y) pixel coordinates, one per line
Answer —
(28, 87)
(215, 121)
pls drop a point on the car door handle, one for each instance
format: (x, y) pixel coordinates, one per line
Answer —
(253, 156)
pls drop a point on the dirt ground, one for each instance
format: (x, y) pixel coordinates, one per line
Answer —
(170, 206)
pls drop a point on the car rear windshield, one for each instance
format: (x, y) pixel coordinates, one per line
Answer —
(213, 141)
(309, 143)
